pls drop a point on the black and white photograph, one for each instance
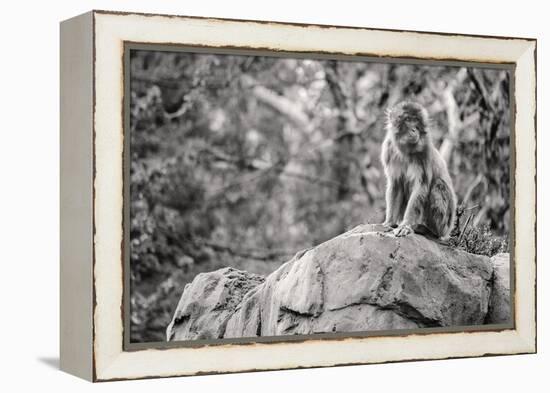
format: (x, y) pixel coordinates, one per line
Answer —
(269, 197)
(285, 195)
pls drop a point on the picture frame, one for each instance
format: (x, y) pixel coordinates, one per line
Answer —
(94, 271)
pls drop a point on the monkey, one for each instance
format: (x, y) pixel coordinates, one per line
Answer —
(419, 190)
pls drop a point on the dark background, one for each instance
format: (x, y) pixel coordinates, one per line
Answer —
(244, 160)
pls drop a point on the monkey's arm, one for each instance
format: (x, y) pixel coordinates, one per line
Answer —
(414, 210)
(394, 201)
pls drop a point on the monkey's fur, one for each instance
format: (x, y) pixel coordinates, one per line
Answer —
(419, 191)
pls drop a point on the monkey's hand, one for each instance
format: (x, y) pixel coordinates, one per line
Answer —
(403, 230)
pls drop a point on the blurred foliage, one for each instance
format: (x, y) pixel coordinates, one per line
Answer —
(243, 160)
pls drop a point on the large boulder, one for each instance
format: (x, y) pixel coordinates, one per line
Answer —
(362, 280)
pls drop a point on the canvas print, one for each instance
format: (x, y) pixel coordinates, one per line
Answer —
(298, 196)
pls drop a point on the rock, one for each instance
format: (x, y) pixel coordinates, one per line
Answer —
(500, 310)
(208, 302)
(362, 280)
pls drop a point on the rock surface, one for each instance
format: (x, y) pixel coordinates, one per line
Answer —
(207, 303)
(362, 280)
(499, 302)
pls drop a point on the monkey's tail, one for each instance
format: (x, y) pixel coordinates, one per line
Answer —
(423, 230)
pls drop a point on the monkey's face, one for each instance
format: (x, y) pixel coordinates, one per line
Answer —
(408, 124)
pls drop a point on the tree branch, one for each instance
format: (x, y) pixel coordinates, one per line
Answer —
(278, 102)
(454, 123)
(479, 178)
(480, 85)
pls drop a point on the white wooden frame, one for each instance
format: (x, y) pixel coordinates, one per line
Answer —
(92, 48)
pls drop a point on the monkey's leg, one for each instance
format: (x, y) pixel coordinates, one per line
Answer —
(394, 200)
(414, 211)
